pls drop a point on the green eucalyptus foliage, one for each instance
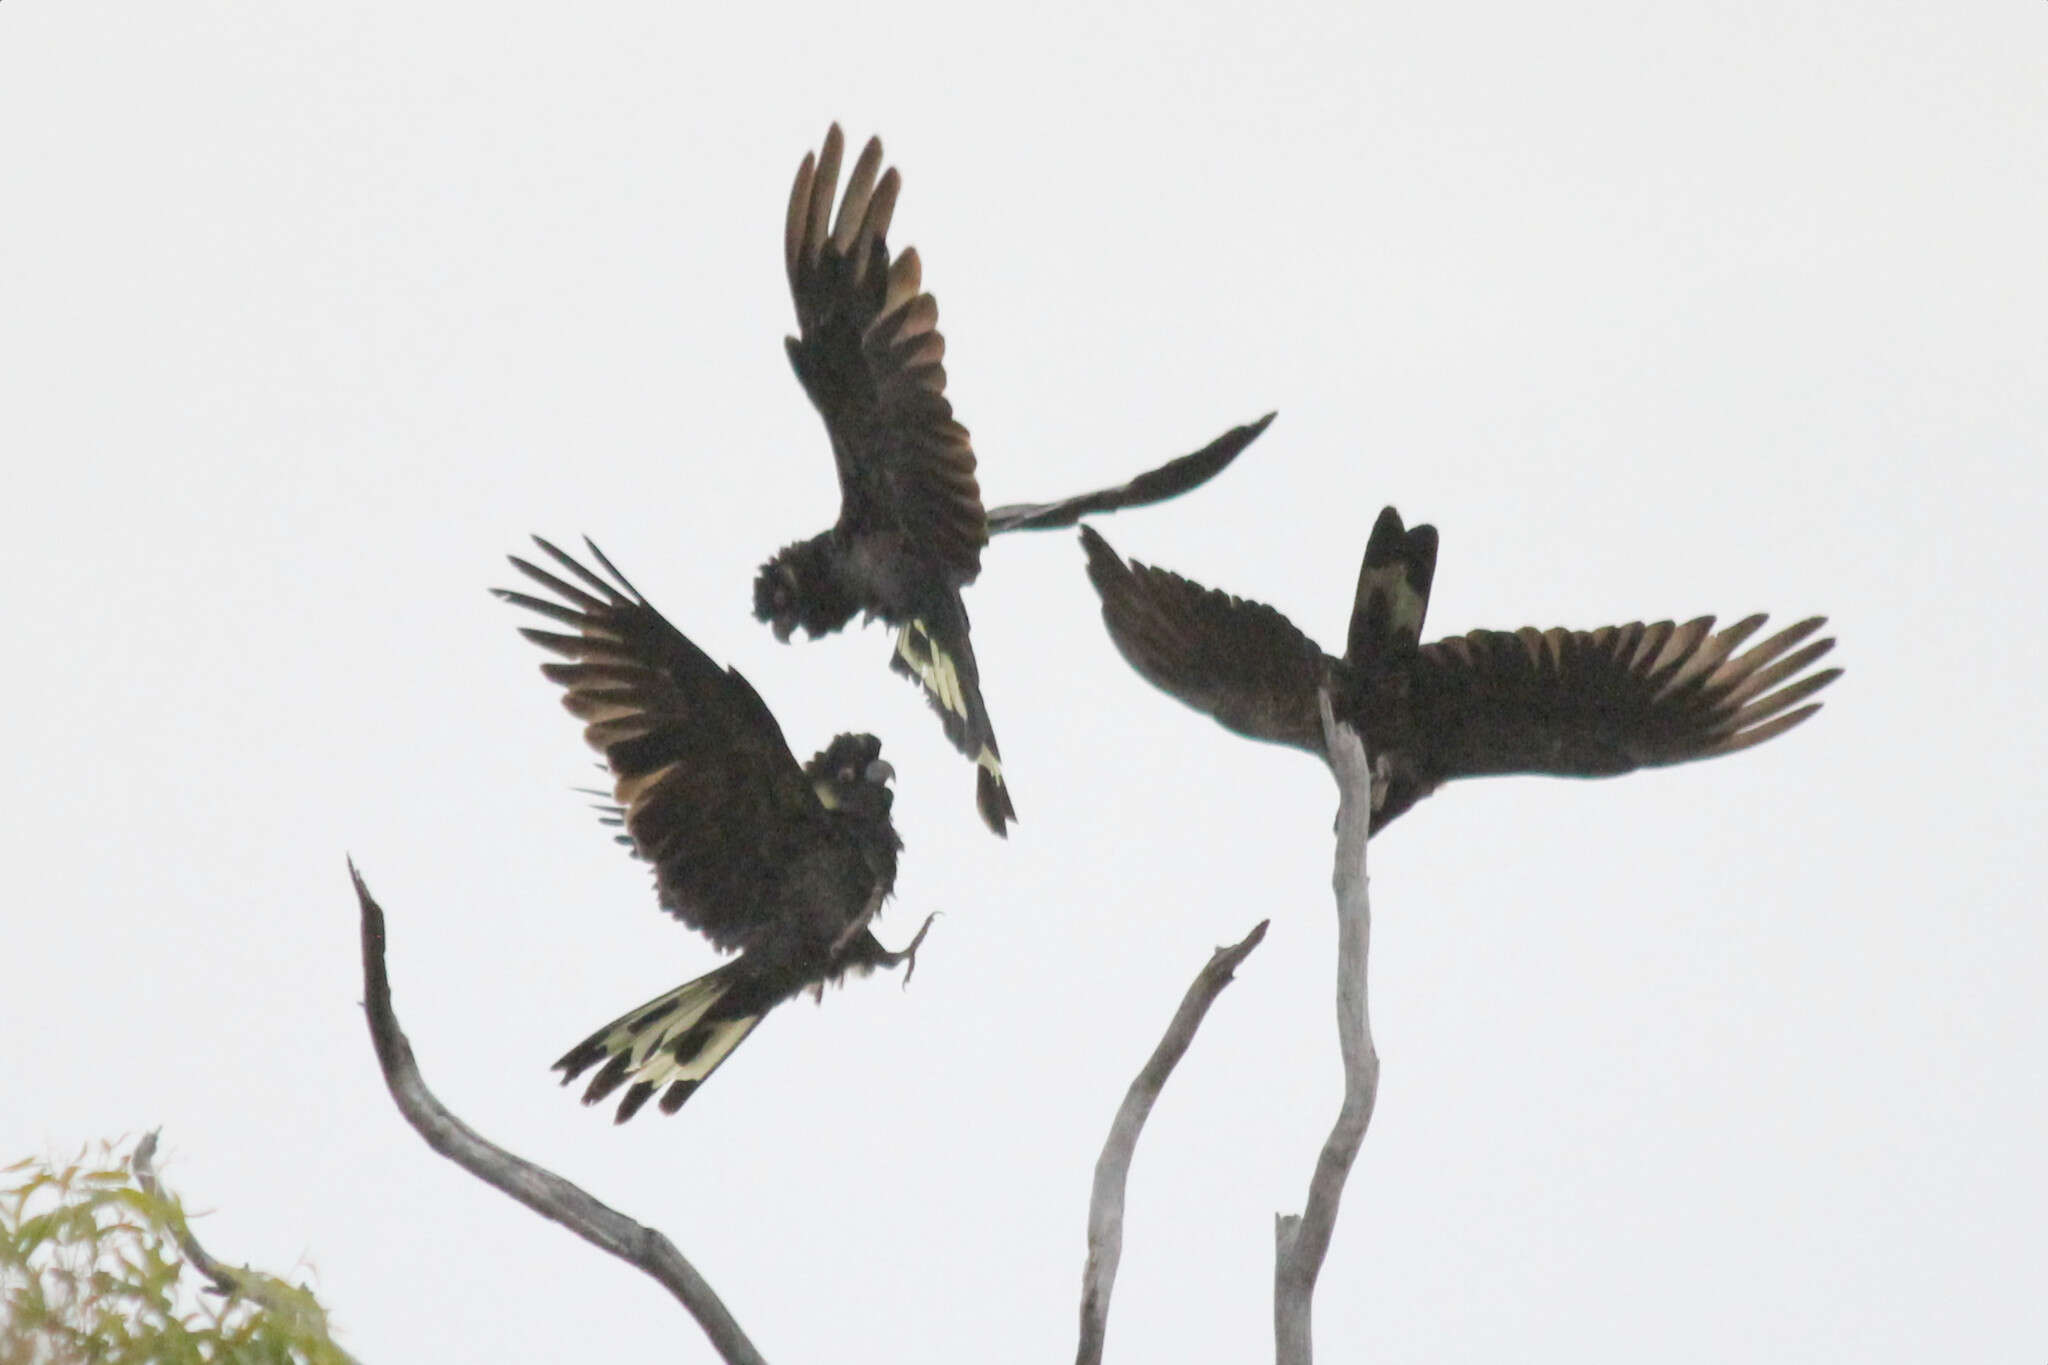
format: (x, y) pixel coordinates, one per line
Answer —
(92, 1273)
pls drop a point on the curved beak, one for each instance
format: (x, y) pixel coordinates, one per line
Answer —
(880, 773)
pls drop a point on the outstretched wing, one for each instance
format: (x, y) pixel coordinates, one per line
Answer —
(1241, 662)
(707, 787)
(1169, 480)
(1602, 702)
(869, 355)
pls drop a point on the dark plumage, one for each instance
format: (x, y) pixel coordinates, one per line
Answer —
(784, 865)
(1561, 702)
(911, 525)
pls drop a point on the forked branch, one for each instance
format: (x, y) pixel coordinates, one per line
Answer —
(1113, 1167)
(1301, 1240)
(546, 1193)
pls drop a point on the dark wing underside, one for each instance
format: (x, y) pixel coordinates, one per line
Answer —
(1241, 662)
(1169, 480)
(707, 787)
(1603, 702)
(869, 354)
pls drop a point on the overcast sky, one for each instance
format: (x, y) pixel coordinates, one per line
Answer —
(310, 313)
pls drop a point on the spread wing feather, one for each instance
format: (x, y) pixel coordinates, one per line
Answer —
(1241, 662)
(869, 354)
(706, 787)
(1575, 703)
(1169, 480)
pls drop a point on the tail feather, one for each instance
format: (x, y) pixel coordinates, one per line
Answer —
(943, 662)
(992, 798)
(670, 1045)
(1393, 591)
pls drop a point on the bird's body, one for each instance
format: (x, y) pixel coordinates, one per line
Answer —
(1555, 702)
(784, 865)
(911, 524)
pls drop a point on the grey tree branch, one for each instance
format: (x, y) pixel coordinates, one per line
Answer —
(1301, 1240)
(540, 1190)
(1112, 1168)
(234, 1282)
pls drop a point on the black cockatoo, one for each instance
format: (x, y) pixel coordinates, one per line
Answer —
(783, 864)
(1568, 703)
(911, 524)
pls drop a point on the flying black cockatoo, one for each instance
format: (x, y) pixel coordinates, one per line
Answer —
(1568, 703)
(911, 524)
(784, 865)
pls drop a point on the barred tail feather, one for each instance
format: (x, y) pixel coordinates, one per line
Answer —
(1393, 591)
(945, 668)
(670, 1045)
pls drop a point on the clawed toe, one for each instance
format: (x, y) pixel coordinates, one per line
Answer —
(907, 957)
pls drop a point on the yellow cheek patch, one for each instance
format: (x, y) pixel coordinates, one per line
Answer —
(827, 797)
(933, 667)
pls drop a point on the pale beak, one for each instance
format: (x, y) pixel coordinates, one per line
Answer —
(880, 773)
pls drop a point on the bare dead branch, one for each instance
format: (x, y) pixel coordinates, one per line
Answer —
(273, 1296)
(540, 1190)
(1301, 1241)
(1112, 1168)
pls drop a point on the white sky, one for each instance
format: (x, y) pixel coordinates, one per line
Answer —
(309, 313)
